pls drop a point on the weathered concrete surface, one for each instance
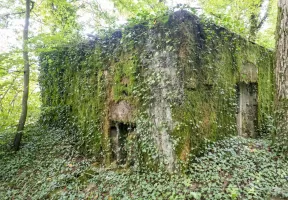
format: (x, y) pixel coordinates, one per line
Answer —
(247, 113)
(162, 68)
(122, 112)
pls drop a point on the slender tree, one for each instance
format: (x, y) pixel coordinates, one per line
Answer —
(256, 21)
(282, 74)
(22, 120)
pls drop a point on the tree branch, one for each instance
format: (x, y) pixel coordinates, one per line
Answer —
(8, 14)
(18, 13)
(5, 93)
(265, 15)
(32, 6)
(262, 21)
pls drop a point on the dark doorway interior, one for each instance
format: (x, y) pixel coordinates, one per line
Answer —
(118, 137)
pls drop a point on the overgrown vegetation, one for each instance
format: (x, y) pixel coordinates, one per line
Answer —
(49, 166)
(180, 76)
(183, 72)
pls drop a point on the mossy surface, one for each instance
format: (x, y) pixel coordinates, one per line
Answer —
(80, 83)
(73, 91)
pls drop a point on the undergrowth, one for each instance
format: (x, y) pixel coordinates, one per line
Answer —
(49, 167)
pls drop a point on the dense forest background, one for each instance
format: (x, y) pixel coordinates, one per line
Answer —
(49, 164)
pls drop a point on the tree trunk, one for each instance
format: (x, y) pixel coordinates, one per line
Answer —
(255, 22)
(23, 116)
(282, 75)
(253, 28)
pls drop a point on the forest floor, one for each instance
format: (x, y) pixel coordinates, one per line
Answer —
(48, 166)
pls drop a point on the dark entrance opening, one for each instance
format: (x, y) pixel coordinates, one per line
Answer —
(119, 133)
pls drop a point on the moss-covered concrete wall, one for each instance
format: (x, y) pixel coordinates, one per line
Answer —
(154, 97)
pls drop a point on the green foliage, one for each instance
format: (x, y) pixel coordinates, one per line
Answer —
(46, 163)
(59, 14)
(49, 167)
(8, 8)
(242, 168)
(78, 81)
(60, 17)
(245, 17)
(11, 91)
(140, 10)
(124, 78)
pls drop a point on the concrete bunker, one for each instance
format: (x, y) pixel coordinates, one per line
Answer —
(170, 89)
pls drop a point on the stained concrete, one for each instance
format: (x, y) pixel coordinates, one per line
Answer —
(162, 67)
(122, 112)
(247, 109)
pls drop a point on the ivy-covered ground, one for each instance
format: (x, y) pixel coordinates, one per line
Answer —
(49, 167)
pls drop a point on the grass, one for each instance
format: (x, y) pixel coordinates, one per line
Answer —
(49, 166)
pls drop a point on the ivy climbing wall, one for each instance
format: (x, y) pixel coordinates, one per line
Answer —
(154, 97)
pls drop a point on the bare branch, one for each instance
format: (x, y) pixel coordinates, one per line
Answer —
(262, 21)
(265, 15)
(8, 14)
(5, 93)
(17, 13)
